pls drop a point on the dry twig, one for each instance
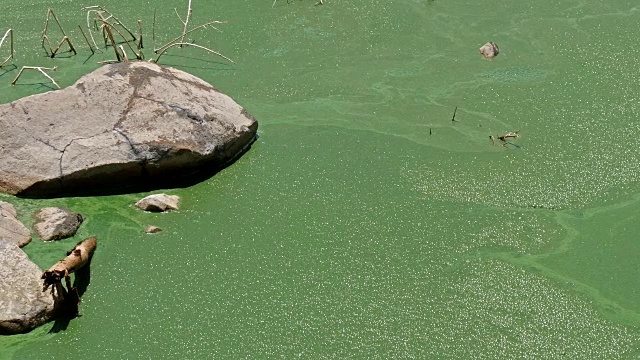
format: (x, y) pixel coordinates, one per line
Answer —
(40, 69)
(185, 22)
(190, 44)
(179, 40)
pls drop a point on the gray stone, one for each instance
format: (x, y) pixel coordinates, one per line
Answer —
(152, 229)
(56, 223)
(489, 50)
(11, 229)
(159, 202)
(23, 304)
(122, 126)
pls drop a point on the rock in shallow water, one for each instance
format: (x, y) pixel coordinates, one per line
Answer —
(122, 126)
(489, 50)
(56, 223)
(159, 203)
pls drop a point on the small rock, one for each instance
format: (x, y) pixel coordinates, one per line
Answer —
(11, 229)
(489, 50)
(159, 203)
(152, 229)
(56, 223)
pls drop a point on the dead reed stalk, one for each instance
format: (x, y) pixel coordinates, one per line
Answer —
(45, 38)
(10, 34)
(179, 40)
(41, 70)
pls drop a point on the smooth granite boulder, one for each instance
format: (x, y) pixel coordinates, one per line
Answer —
(121, 127)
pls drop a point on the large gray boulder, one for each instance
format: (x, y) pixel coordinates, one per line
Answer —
(11, 229)
(124, 125)
(23, 304)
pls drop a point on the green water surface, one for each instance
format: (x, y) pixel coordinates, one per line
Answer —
(364, 223)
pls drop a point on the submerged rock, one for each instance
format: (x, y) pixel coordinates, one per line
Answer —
(11, 229)
(56, 223)
(159, 203)
(123, 126)
(23, 304)
(489, 50)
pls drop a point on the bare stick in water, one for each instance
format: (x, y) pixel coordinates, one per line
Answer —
(45, 37)
(40, 69)
(10, 34)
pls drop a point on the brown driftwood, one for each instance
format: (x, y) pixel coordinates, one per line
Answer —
(78, 257)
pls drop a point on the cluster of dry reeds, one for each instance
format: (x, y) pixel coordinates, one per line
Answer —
(112, 33)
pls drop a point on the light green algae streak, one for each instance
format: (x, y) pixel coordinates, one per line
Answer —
(348, 231)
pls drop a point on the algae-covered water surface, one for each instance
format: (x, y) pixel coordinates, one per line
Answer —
(364, 222)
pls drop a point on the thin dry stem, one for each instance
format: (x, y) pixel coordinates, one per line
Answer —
(186, 22)
(153, 31)
(100, 8)
(124, 54)
(194, 45)
(86, 40)
(140, 46)
(170, 43)
(45, 37)
(40, 69)
(106, 29)
(110, 26)
(10, 34)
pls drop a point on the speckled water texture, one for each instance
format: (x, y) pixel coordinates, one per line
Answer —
(364, 223)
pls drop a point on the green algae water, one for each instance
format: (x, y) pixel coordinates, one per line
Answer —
(365, 223)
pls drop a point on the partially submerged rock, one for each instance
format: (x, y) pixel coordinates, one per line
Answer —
(23, 304)
(152, 229)
(489, 50)
(123, 126)
(54, 223)
(11, 229)
(159, 203)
